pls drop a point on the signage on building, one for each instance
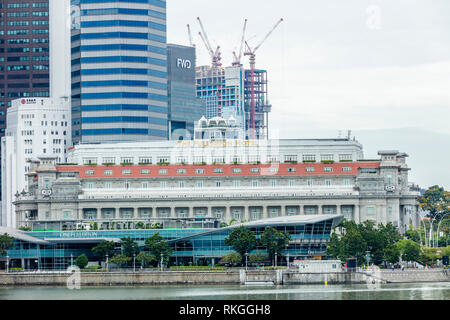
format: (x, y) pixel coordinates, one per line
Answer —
(28, 101)
(184, 63)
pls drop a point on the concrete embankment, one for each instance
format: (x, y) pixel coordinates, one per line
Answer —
(217, 278)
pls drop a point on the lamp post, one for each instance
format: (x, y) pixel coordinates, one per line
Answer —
(134, 262)
(287, 256)
(246, 259)
(106, 262)
(7, 264)
(276, 259)
(162, 262)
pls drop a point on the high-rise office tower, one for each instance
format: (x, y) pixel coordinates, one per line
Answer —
(119, 71)
(24, 52)
(185, 108)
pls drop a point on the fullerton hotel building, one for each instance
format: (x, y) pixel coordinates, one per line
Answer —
(222, 179)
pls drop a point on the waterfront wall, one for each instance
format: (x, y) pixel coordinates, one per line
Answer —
(219, 277)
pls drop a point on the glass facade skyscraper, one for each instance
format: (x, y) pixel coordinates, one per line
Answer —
(119, 71)
(184, 107)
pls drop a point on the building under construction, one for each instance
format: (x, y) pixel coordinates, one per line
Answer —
(227, 92)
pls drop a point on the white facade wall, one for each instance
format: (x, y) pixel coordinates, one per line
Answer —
(243, 150)
(35, 127)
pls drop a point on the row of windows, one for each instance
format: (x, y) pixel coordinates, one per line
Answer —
(180, 171)
(125, 23)
(124, 95)
(23, 40)
(158, 3)
(218, 184)
(127, 11)
(153, 132)
(119, 70)
(124, 35)
(111, 107)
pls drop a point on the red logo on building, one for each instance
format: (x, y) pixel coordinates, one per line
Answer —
(23, 101)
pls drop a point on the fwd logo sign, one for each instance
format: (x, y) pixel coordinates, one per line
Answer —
(184, 63)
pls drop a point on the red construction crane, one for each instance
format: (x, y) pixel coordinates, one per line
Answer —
(237, 59)
(215, 55)
(252, 53)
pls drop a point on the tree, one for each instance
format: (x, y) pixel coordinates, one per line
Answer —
(158, 246)
(429, 256)
(409, 250)
(392, 253)
(353, 245)
(6, 242)
(103, 248)
(82, 261)
(435, 200)
(258, 257)
(145, 258)
(445, 251)
(232, 258)
(274, 241)
(129, 246)
(414, 235)
(120, 260)
(242, 240)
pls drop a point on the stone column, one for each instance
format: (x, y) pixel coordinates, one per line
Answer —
(265, 212)
(320, 211)
(227, 214)
(283, 211)
(246, 213)
(356, 216)
(338, 209)
(302, 210)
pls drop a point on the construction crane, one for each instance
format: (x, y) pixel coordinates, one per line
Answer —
(237, 59)
(252, 54)
(190, 36)
(215, 55)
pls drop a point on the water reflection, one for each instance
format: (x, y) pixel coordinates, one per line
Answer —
(413, 291)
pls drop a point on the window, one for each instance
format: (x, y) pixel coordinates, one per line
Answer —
(108, 185)
(199, 171)
(126, 185)
(290, 158)
(181, 184)
(237, 183)
(163, 184)
(237, 170)
(346, 182)
(218, 184)
(389, 179)
(181, 171)
(328, 182)
(346, 169)
(108, 160)
(326, 157)
(163, 171)
(310, 169)
(291, 183)
(328, 169)
(126, 171)
(273, 183)
(291, 169)
(145, 171)
(309, 157)
(89, 160)
(309, 182)
(108, 172)
(254, 170)
(255, 183)
(89, 172)
(370, 210)
(67, 214)
(345, 157)
(126, 160)
(273, 170)
(145, 160)
(273, 159)
(199, 184)
(218, 170)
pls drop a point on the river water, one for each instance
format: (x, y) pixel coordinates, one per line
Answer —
(405, 291)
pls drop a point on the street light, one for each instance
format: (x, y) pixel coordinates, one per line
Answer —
(134, 262)
(106, 262)
(7, 264)
(161, 262)
(246, 256)
(276, 259)
(287, 256)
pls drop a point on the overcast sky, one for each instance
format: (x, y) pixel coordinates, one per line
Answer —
(334, 65)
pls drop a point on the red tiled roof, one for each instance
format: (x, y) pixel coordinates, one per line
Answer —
(209, 169)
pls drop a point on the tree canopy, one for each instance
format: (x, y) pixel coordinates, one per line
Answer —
(435, 200)
(274, 241)
(6, 242)
(82, 261)
(242, 240)
(129, 246)
(158, 246)
(103, 248)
